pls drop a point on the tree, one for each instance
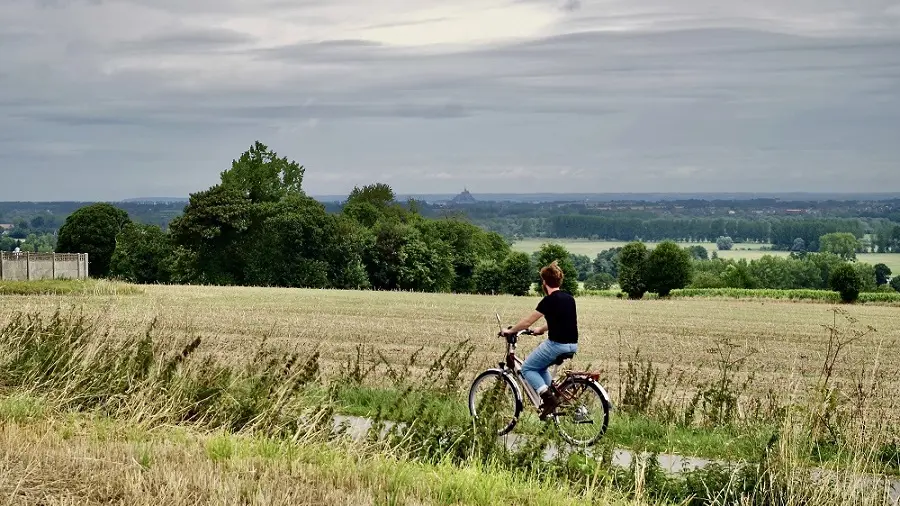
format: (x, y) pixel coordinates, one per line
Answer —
(738, 275)
(724, 243)
(842, 244)
(488, 277)
(555, 252)
(668, 268)
(583, 266)
(798, 249)
(599, 281)
(211, 236)
(607, 261)
(633, 269)
(93, 230)
(142, 255)
(518, 274)
(698, 252)
(882, 274)
(845, 280)
(895, 283)
(260, 175)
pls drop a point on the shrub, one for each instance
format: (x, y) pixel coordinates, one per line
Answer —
(895, 283)
(599, 281)
(633, 269)
(488, 277)
(724, 243)
(845, 280)
(882, 273)
(517, 274)
(707, 280)
(668, 268)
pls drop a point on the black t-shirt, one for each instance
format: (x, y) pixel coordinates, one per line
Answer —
(558, 309)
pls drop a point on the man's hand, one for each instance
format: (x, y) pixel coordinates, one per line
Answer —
(539, 331)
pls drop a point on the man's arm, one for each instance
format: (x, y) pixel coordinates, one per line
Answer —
(524, 323)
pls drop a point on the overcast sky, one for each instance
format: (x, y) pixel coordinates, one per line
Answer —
(111, 99)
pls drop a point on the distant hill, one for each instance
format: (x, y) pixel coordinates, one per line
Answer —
(166, 200)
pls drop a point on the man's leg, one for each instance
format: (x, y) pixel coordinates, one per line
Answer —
(534, 368)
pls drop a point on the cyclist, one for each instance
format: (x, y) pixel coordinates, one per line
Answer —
(558, 308)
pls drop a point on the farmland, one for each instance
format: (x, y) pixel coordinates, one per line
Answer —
(785, 344)
(748, 251)
(789, 338)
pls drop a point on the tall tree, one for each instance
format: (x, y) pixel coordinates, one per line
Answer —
(260, 175)
(669, 267)
(518, 274)
(842, 244)
(633, 269)
(882, 274)
(93, 230)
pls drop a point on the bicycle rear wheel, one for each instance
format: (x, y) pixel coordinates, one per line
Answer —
(495, 401)
(582, 416)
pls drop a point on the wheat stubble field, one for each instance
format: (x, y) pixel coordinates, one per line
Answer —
(788, 339)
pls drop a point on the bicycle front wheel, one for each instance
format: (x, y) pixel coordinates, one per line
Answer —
(495, 401)
(582, 416)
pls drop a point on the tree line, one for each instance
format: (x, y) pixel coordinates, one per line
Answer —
(782, 233)
(258, 227)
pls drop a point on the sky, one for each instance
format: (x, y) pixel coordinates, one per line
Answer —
(113, 99)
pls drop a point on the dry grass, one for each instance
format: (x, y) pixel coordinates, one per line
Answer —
(789, 338)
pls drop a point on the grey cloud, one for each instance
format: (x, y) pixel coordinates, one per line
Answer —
(187, 40)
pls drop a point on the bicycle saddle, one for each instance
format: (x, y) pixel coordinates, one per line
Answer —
(563, 357)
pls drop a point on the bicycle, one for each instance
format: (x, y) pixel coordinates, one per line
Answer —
(568, 388)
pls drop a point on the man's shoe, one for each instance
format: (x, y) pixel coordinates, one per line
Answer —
(549, 405)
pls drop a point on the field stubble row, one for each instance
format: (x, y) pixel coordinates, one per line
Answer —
(788, 340)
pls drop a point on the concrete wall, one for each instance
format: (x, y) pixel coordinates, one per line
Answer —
(33, 266)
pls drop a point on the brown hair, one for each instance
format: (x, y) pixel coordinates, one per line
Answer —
(552, 275)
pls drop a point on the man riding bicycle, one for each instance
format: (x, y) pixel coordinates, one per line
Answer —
(558, 308)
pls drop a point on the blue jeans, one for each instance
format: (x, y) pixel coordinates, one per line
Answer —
(535, 366)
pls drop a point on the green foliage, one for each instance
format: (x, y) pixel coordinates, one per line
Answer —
(668, 268)
(633, 269)
(518, 274)
(895, 283)
(724, 243)
(93, 230)
(607, 261)
(261, 176)
(842, 244)
(488, 277)
(212, 234)
(583, 266)
(550, 253)
(599, 281)
(882, 274)
(142, 255)
(845, 280)
(738, 275)
(698, 252)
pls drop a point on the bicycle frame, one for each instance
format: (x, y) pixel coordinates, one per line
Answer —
(513, 364)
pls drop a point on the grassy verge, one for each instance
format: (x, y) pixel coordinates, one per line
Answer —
(67, 287)
(99, 461)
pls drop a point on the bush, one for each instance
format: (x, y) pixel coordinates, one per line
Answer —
(668, 268)
(517, 275)
(633, 269)
(895, 283)
(599, 281)
(845, 280)
(724, 243)
(707, 280)
(882, 273)
(488, 277)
